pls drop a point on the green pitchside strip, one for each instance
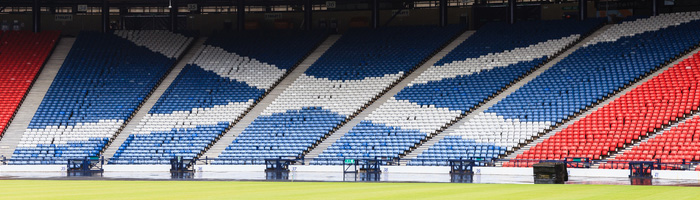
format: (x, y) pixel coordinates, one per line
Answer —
(48, 189)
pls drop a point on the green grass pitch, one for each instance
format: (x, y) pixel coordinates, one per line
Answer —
(60, 189)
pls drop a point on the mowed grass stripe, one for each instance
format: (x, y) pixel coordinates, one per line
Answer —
(61, 189)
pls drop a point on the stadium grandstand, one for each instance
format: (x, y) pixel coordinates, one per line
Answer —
(465, 91)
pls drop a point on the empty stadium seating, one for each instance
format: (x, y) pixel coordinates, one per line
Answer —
(672, 95)
(656, 103)
(230, 73)
(357, 69)
(22, 55)
(676, 145)
(102, 82)
(107, 76)
(464, 78)
(619, 56)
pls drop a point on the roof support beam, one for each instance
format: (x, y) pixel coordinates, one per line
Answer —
(240, 10)
(375, 14)
(105, 16)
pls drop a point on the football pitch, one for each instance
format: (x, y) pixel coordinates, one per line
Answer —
(107, 189)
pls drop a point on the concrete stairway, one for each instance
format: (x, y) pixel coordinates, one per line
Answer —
(503, 94)
(36, 93)
(384, 98)
(258, 108)
(153, 98)
(596, 107)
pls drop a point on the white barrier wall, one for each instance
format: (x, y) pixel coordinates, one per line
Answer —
(33, 168)
(436, 170)
(136, 168)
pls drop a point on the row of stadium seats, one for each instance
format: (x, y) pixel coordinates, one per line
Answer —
(103, 81)
(22, 55)
(358, 68)
(226, 77)
(613, 60)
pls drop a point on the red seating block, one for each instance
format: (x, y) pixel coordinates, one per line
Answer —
(22, 54)
(657, 102)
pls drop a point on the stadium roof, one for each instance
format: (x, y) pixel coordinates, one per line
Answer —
(165, 2)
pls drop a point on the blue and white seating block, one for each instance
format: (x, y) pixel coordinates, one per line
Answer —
(212, 92)
(102, 82)
(464, 78)
(358, 68)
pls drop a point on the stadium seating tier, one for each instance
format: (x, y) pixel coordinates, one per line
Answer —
(102, 82)
(226, 78)
(357, 69)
